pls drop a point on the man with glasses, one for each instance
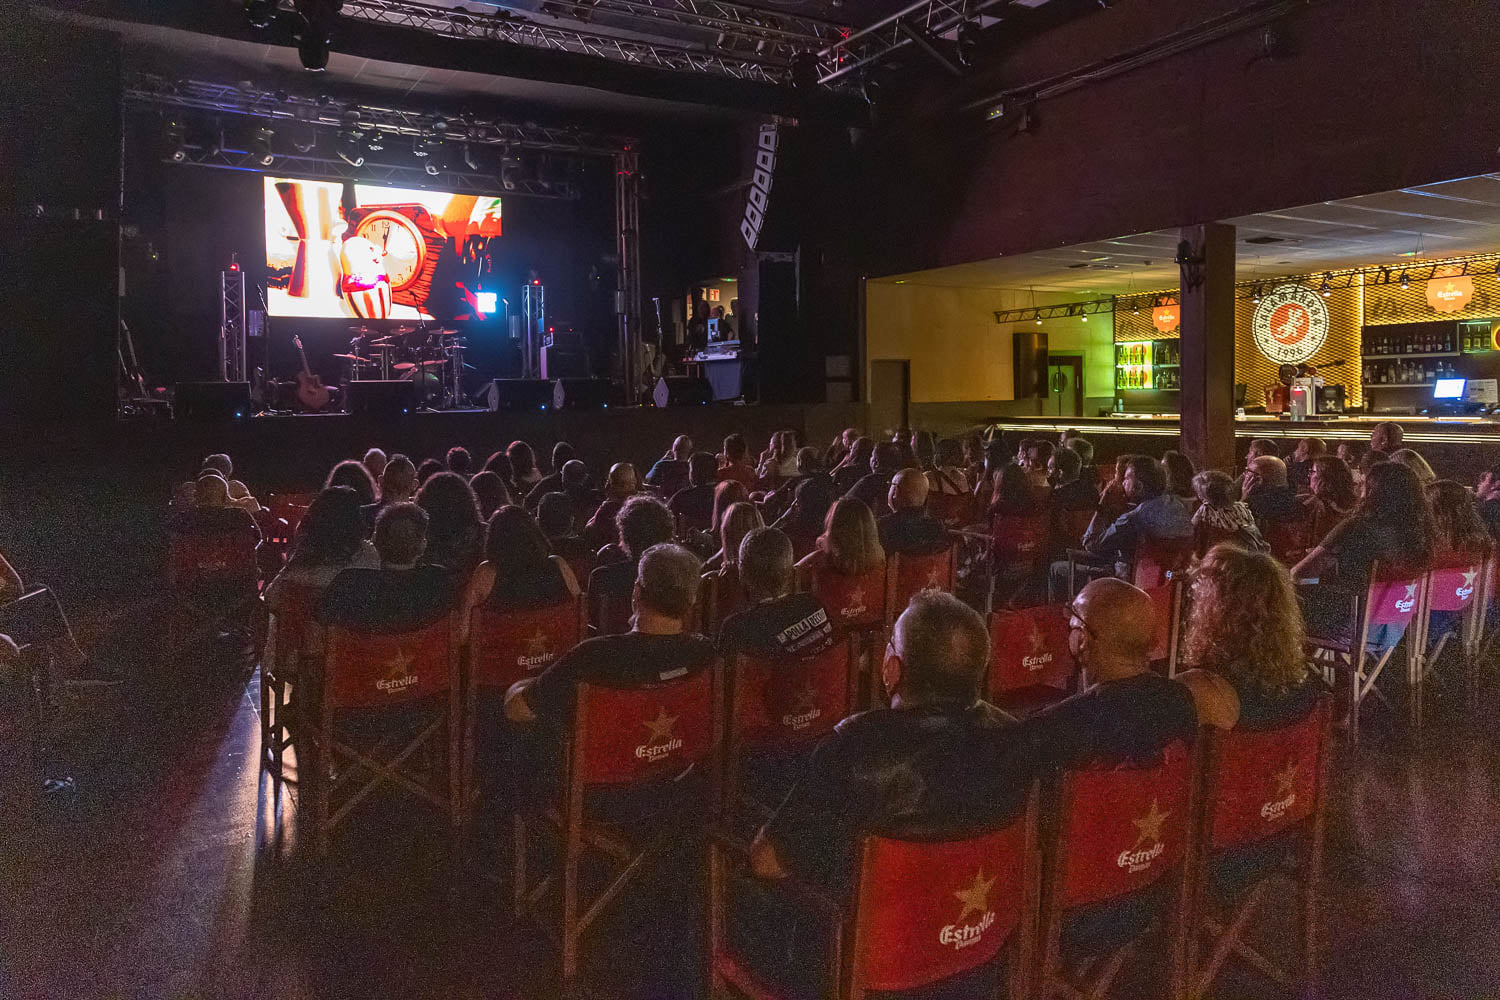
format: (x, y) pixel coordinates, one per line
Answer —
(1127, 711)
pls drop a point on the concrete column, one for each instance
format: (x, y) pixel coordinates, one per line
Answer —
(1207, 311)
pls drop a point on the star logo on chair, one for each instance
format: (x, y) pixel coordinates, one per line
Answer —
(398, 665)
(976, 898)
(1464, 590)
(1037, 639)
(1286, 778)
(537, 645)
(934, 579)
(661, 726)
(857, 597)
(1148, 827)
(806, 699)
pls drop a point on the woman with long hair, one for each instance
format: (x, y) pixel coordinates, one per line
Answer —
(1180, 474)
(1458, 535)
(490, 490)
(1013, 492)
(519, 570)
(948, 473)
(723, 570)
(355, 476)
(1415, 463)
(1244, 640)
(1333, 487)
(524, 473)
(804, 519)
(847, 569)
(499, 464)
(455, 534)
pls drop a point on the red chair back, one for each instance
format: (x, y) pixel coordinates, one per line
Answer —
(1290, 537)
(1018, 542)
(1393, 599)
(953, 509)
(289, 507)
(202, 557)
(506, 646)
(1163, 602)
(1029, 649)
(377, 669)
(1452, 588)
(1071, 524)
(294, 616)
(627, 735)
(910, 575)
(727, 597)
(1156, 557)
(780, 705)
(1123, 827)
(853, 602)
(1266, 781)
(926, 911)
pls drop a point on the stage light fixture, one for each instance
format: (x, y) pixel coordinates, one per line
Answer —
(376, 142)
(312, 49)
(804, 71)
(176, 143)
(260, 13)
(1255, 296)
(348, 149)
(1405, 282)
(264, 154)
(310, 144)
(968, 40)
(432, 168)
(1325, 289)
(470, 160)
(510, 173)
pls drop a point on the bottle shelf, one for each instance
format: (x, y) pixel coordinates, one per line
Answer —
(1398, 357)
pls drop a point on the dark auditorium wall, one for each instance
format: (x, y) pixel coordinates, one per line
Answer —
(1380, 94)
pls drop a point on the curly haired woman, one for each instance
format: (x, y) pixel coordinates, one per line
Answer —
(1244, 638)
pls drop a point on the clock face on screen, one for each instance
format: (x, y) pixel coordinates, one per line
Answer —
(400, 243)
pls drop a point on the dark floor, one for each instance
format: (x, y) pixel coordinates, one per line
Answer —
(170, 872)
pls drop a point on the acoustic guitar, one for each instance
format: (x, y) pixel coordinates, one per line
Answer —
(311, 392)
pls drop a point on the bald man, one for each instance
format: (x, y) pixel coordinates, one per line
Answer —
(908, 528)
(1267, 489)
(1127, 712)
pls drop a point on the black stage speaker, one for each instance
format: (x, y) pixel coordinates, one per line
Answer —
(1030, 365)
(682, 390)
(564, 362)
(387, 396)
(209, 402)
(583, 393)
(520, 394)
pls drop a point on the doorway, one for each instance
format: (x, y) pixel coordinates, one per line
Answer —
(1064, 385)
(890, 387)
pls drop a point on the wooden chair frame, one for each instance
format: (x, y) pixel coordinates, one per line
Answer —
(383, 762)
(845, 923)
(1423, 664)
(278, 721)
(578, 832)
(1093, 980)
(183, 632)
(1226, 931)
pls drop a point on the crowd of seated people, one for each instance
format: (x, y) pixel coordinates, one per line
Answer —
(646, 554)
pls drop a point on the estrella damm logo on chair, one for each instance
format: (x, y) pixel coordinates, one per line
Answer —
(976, 899)
(1148, 843)
(805, 711)
(660, 743)
(1465, 590)
(398, 676)
(539, 652)
(1408, 600)
(934, 579)
(1040, 656)
(854, 606)
(1285, 795)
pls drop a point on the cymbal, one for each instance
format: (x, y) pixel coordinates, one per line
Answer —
(363, 331)
(433, 364)
(383, 342)
(403, 366)
(403, 329)
(355, 358)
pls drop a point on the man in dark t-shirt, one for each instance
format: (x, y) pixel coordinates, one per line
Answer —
(778, 623)
(938, 761)
(656, 649)
(1129, 712)
(885, 462)
(643, 521)
(908, 528)
(400, 596)
(562, 454)
(694, 503)
(670, 473)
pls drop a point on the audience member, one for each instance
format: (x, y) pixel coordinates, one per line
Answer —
(519, 572)
(1488, 497)
(1333, 487)
(455, 533)
(429, 468)
(803, 520)
(1458, 534)
(1035, 457)
(1128, 712)
(375, 462)
(562, 454)
(399, 596)
(522, 467)
(693, 505)
(1084, 448)
(726, 495)
(555, 517)
(777, 621)
(738, 520)
(932, 762)
(238, 492)
(779, 460)
(1112, 499)
(643, 521)
(1369, 460)
(398, 481)
(1392, 526)
(489, 490)
(1299, 469)
(499, 464)
(908, 529)
(1180, 472)
(575, 483)
(1386, 437)
(1014, 493)
(949, 475)
(924, 447)
(1416, 463)
(1265, 488)
(670, 473)
(355, 476)
(1353, 453)
(973, 451)
(734, 464)
(1156, 516)
(1070, 491)
(855, 466)
(657, 649)
(1244, 642)
(619, 486)
(458, 461)
(330, 538)
(1221, 517)
(806, 464)
(849, 545)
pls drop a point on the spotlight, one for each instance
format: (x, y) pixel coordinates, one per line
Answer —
(348, 149)
(1325, 289)
(1135, 308)
(1039, 321)
(969, 35)
(1255, 296)
(312, 49)
(1085, 317)
(432, 168)
(470, 160)
(176, 143)
(264, 155)
(260, 13)
(510, 173)
(1405, 282)
(311, 142)
(804, 71)
(376, 142)
(419, 148)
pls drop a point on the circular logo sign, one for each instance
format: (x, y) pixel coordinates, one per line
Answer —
(1290, 324)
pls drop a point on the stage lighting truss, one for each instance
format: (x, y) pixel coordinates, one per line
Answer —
(927, 19)
(388, 122)
(748, 43)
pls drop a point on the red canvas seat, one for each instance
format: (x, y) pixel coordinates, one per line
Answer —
(1291, 537)
(719, 597)
(1393, 600)
(921, 912)
(389, 713)
(1166, 605)
(214, 577)
(1262, 789)
(953, 509)
(854, 603)
(908, 575)
(281, 669)
(1120, 832)
(507, 646)
(620, 737)
(1031, 666)
(1456, 591)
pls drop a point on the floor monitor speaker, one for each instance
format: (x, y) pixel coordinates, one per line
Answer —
(388, 396)
(583, 393)
(520, 394)
(207, 402)
(682, 390)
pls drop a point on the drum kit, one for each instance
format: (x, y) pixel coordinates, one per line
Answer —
(433, 359)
